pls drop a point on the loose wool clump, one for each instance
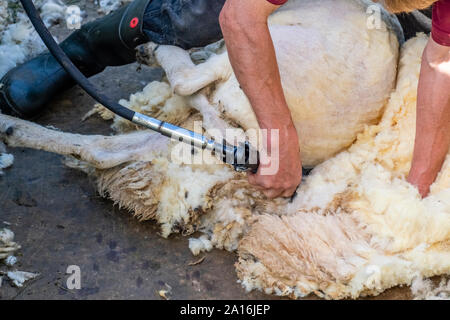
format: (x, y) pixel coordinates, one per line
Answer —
(18, 39)
(7, 248)
(201, 244)
(6, 161)
(356, 226)
(7, 244)
(424, 289)
(107, 6)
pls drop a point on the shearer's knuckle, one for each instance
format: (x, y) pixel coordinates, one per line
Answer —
(269, 194)
(287, 185)
(266, 184)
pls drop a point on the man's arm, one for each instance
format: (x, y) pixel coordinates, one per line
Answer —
(433, 117)
(252, 55)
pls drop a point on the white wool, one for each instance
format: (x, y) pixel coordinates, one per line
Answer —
(10, 261)
(18, 42)
(395, 212)
(380, 273)
(198, 245)
(7, 244)
(18, 39)
(99, 109)
(107, 6)
(174, 105)
(20, 277)
(6, 236)
(6, 160)
(185, 189)
(227, 223)
(153, 94)
(7, 249)
(424, 289)
(52, 12)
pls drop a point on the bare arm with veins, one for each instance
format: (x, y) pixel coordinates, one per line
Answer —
(252, 55)
(433, 117)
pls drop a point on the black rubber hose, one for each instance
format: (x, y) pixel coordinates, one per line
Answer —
(67, 64)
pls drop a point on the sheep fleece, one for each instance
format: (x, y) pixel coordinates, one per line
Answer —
(357, 227)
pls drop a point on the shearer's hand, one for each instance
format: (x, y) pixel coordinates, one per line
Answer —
(280, 171)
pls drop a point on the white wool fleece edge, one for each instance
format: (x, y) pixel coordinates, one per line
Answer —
(406, 236)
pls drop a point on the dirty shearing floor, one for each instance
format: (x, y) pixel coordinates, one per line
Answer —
(59, 220)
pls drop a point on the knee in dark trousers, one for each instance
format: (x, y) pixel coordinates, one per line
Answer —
(183, 23)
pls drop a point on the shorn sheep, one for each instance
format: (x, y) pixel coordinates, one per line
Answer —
(356, 226)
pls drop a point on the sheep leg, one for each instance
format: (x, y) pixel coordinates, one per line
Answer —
(184, 76)
(101, 152)
(213, 123)
(210, 113)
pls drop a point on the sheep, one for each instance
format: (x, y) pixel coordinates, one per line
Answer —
(356, 227)
(319, 65)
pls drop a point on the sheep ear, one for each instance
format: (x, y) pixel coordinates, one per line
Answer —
(184, 76)
(101, 152)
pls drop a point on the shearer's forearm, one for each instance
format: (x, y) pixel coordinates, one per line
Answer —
(252, 56)
(433, 117)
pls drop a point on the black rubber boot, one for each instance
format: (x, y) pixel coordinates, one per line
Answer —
(412, 24)
(108, 41)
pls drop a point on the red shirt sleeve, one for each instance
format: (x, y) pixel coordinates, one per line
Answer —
(277, 2)
(441, 22)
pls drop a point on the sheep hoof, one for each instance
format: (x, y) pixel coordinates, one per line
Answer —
(9, 131)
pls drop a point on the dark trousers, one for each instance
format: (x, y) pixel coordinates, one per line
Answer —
(195, 23)
(183, 23)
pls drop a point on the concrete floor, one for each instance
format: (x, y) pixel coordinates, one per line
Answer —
(60, 220)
